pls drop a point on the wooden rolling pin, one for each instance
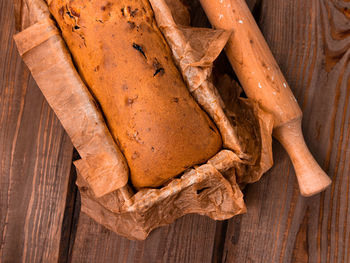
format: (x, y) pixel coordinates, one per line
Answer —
(263, 81)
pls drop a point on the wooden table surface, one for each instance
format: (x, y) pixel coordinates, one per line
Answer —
(40, 219)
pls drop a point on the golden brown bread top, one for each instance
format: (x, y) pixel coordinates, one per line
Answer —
(128, 67)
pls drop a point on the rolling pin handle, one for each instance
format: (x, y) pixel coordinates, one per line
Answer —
(311, 178)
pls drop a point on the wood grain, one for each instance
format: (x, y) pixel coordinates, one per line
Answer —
(71, 216)
(189, 239)
(311, 41)
(35, 156)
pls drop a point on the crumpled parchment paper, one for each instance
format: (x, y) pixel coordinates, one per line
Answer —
(211, 189)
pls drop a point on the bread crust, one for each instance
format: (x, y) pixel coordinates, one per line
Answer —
(128, 67)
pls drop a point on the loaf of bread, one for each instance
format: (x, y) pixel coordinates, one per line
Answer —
(128, 67)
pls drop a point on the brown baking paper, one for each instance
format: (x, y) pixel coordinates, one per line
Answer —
(43, 50)
(210, 189)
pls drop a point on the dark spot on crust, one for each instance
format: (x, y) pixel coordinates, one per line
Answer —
(99, 20)
(139, 48)
(74, 13)
(130, 101)
(159, 70)
(132, 12)
(97, 68)
(122, 10)
(131, 24)
(82, 37)
(156, 63)
(108, 5)
(69, 14)
(263, 64)
(152, 149)
(61, 11)
(125, 87)
(176, 100)
(251, 41)
(135, 155)
(76, 27)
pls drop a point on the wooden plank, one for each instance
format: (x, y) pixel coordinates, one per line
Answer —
(189, 239)
(311, 42)
(35, 156)
(71, 215)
